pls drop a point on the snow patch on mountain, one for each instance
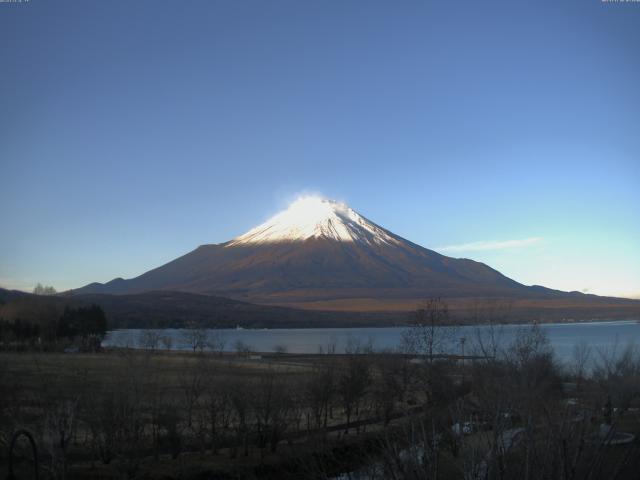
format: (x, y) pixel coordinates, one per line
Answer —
(316, 217)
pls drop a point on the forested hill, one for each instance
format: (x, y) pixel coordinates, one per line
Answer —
(179, 309)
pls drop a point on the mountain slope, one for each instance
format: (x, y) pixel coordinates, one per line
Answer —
(322, 254)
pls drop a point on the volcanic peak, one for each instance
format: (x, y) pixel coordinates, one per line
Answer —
(316, 217)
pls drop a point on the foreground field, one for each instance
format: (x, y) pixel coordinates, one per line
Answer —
(137, 414)
(127, 413)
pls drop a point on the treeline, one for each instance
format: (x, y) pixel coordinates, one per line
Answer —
(84, 325)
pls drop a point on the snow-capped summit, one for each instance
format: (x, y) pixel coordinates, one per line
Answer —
(316, 217)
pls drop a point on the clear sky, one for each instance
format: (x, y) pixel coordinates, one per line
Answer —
(507, 132)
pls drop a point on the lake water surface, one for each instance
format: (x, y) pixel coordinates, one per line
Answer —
(562, 337)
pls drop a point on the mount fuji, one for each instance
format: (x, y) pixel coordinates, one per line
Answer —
(321, 254)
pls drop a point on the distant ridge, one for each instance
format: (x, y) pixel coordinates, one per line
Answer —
(166, 309)
(7, 295)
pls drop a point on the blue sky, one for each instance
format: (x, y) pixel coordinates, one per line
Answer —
(507, 132)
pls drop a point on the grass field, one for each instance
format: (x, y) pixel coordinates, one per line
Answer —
(175, 415)
(32, 384)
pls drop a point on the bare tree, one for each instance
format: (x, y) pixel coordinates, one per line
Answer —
(330, 349)
(196, 338)
(242, 348)
(216, 341)
(280, 349)
(219, 411)
(40, 289)
(271, 403)
(353, 383)
(580, 358)
(617, 372)
(432, 330)
(149, 340)
(167, 342)
(193, 382)
(59, 429)
(117, 417)
(171, 428)
(240, 394)
(320, 389)
(387, 386)
(489, 317)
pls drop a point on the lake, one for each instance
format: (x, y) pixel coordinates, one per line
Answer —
(562, 337)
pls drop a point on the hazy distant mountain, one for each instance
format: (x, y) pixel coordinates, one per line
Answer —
(9, 295)
(321, 254)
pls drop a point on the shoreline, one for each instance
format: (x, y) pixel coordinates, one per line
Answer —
(382, 327)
